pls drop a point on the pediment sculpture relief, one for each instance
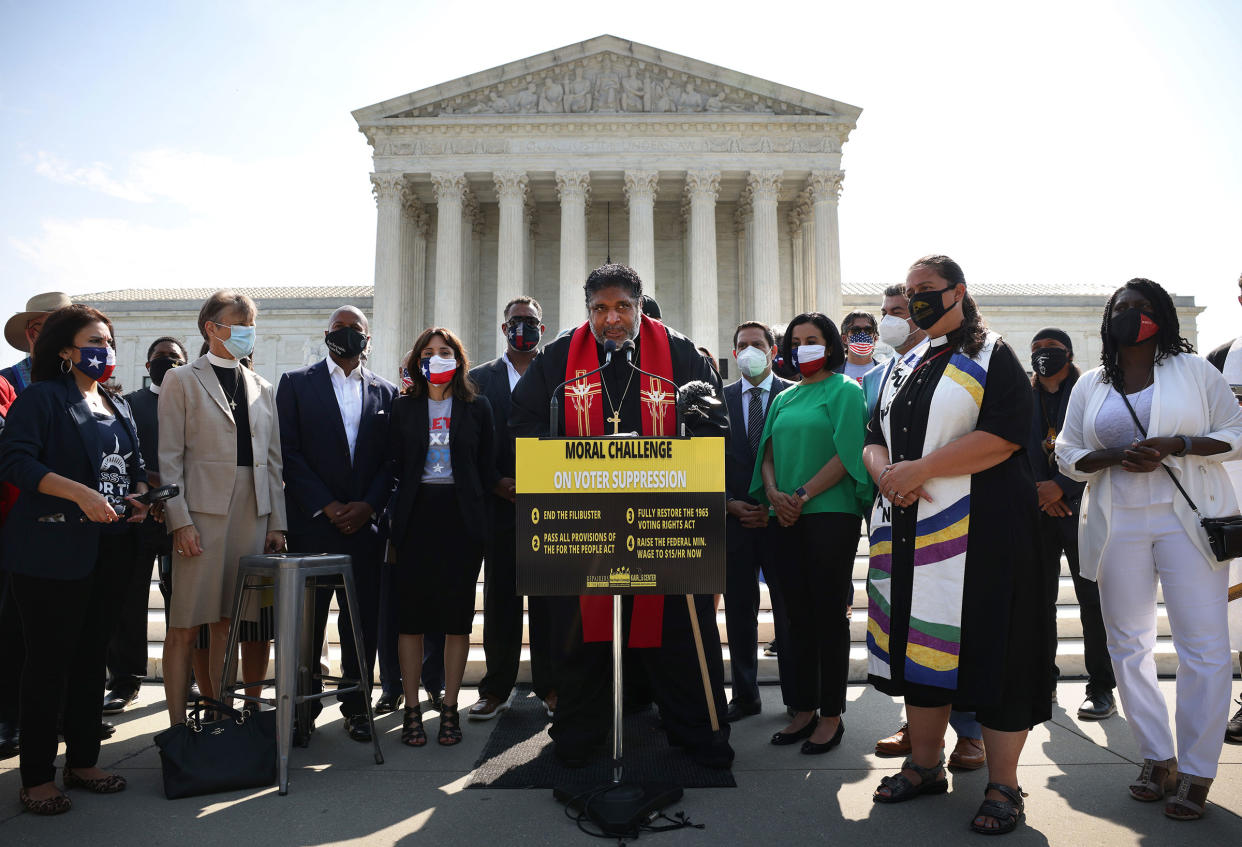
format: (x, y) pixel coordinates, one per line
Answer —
(606, 84)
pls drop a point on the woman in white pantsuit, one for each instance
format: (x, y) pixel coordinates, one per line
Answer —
(1138, 530)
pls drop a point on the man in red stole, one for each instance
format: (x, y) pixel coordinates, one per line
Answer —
(658, 634)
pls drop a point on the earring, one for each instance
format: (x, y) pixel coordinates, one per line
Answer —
(65, 366)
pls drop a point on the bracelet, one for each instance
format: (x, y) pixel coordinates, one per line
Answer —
(1185, 446)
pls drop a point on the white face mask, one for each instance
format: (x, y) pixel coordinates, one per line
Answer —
(894, 330)
(752, 362)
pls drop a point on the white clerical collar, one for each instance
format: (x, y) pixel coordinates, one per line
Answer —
(221, 362)
(939, 342)
(155, 389)
(765, 386)
(334, 368)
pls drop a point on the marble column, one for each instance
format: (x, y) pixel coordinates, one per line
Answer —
(741, 228)
(450, 189)
(766, 290)
(390, 295)
(409, 315)
(573, 187)
(808, 261)
(511, 237)
(472, 320)
(640, 194)
(703, 186)
(795, 253)
(825, 188)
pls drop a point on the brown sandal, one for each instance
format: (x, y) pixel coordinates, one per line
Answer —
(1156, 780)
(1190, 801)
(57, 805)
(110, 784)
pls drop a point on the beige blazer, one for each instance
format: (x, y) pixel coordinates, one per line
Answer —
(198, 445)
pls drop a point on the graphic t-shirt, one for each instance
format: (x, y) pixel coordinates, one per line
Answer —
(116, 450)
(438, 469)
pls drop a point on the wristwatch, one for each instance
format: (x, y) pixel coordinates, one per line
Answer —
(801, 492)
(1185, 446)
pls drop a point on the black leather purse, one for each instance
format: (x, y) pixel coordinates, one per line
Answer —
(207, 757)
(1224, 535)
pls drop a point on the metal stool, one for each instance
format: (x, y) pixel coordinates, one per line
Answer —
(296, 579)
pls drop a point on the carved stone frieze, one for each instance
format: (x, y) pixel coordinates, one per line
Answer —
(387, 145)
(606, 83)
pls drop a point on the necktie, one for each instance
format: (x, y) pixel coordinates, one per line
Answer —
(754, 422)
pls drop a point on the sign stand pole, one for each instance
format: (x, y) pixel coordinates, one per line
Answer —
(618, 703)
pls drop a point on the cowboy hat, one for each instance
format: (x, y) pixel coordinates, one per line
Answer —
(37, 306)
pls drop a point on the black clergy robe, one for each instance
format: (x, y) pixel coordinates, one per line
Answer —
(583, 671)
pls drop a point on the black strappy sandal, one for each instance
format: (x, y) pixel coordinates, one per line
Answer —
(450, 726)
(900, 788)
(1007, 813)
(412, 732)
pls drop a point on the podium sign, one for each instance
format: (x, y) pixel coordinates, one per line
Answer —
(620, 516)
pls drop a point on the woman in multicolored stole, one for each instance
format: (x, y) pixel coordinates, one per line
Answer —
(958, 611)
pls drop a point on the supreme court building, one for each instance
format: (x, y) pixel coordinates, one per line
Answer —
(720, 189)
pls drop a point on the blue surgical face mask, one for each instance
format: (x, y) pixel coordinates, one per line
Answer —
(240, 342)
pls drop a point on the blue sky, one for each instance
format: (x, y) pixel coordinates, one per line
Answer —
(171, 144)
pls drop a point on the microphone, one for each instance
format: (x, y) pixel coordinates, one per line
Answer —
(554, 405)
(628, 349)
(697, 398)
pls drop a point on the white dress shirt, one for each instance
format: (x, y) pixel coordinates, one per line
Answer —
(348, 391)
(514, 376)
(764, 387)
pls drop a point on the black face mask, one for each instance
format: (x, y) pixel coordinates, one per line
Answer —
(927, 307)
(346, 342)
(1049, 360)
(1133, 326)
(523, 337)
(161, 365)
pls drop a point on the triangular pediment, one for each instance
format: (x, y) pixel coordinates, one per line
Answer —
(605, 75)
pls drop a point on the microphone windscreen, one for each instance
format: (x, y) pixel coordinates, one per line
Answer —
(610, 346)
(628, 346)
(697, 396)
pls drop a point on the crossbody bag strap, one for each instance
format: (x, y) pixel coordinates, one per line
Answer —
(1167, 469)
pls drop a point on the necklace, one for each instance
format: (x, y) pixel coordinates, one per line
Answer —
(615, 419)
(237, 378)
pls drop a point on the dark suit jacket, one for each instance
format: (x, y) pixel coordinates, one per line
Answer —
(50, 429)
(739, 464)
(317, 466)
(144, 404)
(492, 380)
(1217, 357)
(472, 446)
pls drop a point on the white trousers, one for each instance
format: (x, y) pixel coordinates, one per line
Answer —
(1147, 544)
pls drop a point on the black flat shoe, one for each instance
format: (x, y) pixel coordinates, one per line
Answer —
(117, 701)
(781, 739)
(358, 727)
(388, 703)
(738, 710)
(810, 748)
(1097, 707)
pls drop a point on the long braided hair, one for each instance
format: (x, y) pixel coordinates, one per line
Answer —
(1169, 341)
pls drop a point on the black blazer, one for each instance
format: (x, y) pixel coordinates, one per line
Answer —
(739, 464)
(144, 405)
(472, 448)
(492, 380)
(50, 429)
(317, 465)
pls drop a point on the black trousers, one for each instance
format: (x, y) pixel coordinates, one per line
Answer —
(65, 625)
(12, 651)
(1061, 535)
(584, 711)
(365, 554)
(127, 648)
(502, 623)
(748, 550)
(814, 560)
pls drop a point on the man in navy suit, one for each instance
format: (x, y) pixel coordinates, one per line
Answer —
(334, 439)
(502, 605)
(749, 544)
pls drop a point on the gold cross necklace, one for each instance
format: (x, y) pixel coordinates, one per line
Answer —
(615, 419)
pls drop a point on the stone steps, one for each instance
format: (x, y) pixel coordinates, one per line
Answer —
(1069, 632)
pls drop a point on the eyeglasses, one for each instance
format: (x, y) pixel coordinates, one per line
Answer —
(528, 320)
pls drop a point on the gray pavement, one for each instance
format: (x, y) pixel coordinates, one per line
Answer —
(1075, 773)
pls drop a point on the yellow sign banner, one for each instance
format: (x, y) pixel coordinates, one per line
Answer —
(620, 465)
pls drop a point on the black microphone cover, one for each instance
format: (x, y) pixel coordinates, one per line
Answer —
(628, 348)
(697, 396)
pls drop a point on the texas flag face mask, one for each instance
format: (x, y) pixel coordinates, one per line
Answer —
(439, 369)
(809, 358)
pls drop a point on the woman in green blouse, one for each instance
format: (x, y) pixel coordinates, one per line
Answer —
(813, 478)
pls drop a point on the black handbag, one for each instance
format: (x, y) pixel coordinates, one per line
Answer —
(207, 757)
(1224, 535)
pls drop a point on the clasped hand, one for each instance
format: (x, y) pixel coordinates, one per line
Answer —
(901, 483)
(1146, 455)
(349, 517)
